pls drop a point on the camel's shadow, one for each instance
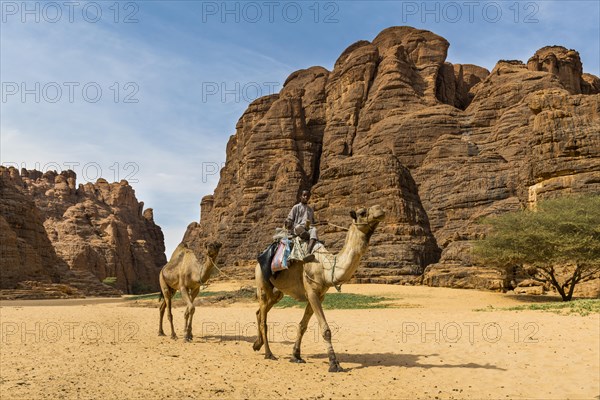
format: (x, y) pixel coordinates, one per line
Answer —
(238, 338)
(366, 360)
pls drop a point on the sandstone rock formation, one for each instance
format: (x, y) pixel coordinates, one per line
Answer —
(56, 232)
(438, 145)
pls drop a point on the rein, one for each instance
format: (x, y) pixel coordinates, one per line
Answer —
(204, 284)
(338, 286)
(347, 229)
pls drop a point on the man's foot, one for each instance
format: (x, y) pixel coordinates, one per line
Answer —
(309, 258)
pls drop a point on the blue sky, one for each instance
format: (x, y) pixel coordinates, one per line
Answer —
(151, 90)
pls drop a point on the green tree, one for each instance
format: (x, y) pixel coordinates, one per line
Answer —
(561, 236)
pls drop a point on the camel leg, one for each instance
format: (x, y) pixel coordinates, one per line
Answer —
(258, 343)
(308, 312)
(260, 288)
(168, 301)
(268, 296)
(193, 295)
(163, 303)
(267, 299)
(315, 302)
(186, 314)
(162, 308)
(189, 313)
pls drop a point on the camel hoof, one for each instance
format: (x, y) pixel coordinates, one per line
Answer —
(161, 334)
(174, 337)
(257, 345)
(297, 360)
(187, 339)
(335, 368)
(270, 357)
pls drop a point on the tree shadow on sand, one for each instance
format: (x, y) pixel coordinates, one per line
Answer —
(529, 298)
(396, 360)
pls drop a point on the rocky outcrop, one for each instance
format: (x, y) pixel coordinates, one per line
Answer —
(439, 145)
(27, 253)
(566, 65)
(454, 83)
(77, 235)
(274, 153)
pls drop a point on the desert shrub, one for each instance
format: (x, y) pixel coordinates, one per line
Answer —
(558, 242)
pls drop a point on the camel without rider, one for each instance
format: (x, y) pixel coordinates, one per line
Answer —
(185, 273)
(310, 281)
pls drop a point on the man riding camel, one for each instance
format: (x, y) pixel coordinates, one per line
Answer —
(299, 221)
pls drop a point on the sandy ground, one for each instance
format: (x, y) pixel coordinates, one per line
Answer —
(434, 345)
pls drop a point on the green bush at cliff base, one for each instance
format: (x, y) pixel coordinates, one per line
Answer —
(558, 242)
(340, 301)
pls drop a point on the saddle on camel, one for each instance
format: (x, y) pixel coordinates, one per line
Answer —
(295, 241)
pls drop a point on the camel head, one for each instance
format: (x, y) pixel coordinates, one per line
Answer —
(212, 249)
(366, 220)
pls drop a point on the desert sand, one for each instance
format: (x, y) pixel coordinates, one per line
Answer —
(432, 345)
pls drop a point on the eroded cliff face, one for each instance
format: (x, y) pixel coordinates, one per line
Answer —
(27, 253)
(438, 145)
(63, 233)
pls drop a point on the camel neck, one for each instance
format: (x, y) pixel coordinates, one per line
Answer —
(348, 259)
(206, 269)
